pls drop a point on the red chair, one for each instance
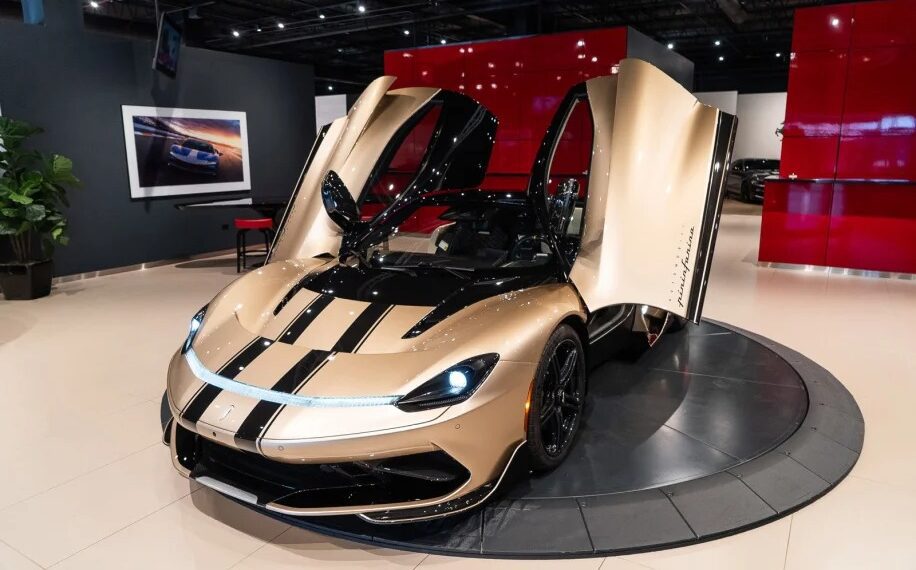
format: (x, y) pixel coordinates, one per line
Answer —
(242, 226)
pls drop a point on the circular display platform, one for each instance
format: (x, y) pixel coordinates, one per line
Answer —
(713, 431)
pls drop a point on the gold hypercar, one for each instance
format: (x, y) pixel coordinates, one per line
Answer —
(414, 330)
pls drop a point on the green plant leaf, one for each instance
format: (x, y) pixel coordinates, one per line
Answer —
(6, 229)
(9, 212)
(20, 199)
(35, 212)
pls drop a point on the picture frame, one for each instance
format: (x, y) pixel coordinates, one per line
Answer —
(181, 152)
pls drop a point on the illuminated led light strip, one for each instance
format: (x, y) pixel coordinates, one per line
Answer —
(236, 387)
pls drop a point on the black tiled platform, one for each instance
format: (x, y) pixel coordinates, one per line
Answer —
(710, 433)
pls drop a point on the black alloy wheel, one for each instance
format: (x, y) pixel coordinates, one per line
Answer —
(558, 399)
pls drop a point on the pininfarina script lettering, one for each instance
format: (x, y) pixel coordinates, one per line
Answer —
(685, 267)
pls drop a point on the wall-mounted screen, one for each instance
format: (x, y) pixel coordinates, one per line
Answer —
(176, 152)
(168, 47)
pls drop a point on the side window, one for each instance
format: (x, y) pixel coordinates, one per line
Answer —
(572, 159)
(406, 157)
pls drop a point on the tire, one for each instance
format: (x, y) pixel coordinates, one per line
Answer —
(745, 192)
(556, 404)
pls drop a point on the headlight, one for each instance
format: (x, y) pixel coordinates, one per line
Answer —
(196, 323)
(450, 387)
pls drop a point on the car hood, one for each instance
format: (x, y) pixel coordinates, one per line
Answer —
(363, 326)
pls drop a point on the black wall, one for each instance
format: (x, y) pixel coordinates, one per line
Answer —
(73, 82)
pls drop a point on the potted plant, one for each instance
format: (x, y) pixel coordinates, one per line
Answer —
(33, 190)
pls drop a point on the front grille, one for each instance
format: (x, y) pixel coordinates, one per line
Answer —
(311, 486)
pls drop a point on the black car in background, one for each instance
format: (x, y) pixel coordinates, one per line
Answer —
(746, 177)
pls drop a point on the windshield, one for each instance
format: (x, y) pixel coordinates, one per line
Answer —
(471, 230)
(198, 145)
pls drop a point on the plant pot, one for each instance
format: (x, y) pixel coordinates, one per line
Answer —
(23, 281)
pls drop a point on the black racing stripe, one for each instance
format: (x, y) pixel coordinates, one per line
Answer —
(305, 318)
(257, 421)
(358, 329)
(231, 369)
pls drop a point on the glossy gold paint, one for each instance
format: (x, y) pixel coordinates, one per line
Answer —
(647, 189)
(628, 195)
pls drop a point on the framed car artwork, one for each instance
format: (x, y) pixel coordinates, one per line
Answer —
(176, 152)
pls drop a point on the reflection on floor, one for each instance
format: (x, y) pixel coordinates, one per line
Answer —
(87, 484)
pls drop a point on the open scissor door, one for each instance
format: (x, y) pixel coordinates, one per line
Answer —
(654, 190)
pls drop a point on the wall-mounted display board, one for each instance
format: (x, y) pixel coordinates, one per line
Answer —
(178, 152)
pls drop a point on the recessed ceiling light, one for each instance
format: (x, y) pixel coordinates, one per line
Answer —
(718, 42)
(259, 28)
(779, 54)
(594, 59)
(361, 9)
(330, 87)
(339, 50)
(835, 22)
(721, 58)
(442, 41)
(670, 45)
(94, 4)
(321, 16)
(281, 25)
(580, 43)
(236, 33)
(406, 32)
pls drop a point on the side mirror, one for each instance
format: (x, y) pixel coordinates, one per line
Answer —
(338, 202)
(562, 204)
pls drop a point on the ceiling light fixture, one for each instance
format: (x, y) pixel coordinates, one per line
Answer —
(721, 58)
(835, 22)
(361, 9)
(670, 45)
(321, 16)
(330, 87)
(94, 4)
(442, 41)
(281, 25)
(779, 54)
(236, 33)
(406, 32)
(259, 28)
(718, 42)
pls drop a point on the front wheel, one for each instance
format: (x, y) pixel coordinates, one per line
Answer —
(557, 399)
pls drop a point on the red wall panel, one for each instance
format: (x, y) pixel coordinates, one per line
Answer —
(795, 222)
(814, 102)
(851, 120)
(520, 80)
(884, 23)
(877, 158)
(826, 27)
(808, 157)
(881, 91)
(873, 226)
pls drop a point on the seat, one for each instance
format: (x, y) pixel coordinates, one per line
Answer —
(242, 227)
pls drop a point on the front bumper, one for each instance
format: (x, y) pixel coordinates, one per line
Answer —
(456, 456)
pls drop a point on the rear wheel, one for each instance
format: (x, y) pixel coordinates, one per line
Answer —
(557, 399)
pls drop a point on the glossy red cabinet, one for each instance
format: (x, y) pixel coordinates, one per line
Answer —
(848, 194)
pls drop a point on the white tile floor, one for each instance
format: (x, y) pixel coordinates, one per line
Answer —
(85, 482)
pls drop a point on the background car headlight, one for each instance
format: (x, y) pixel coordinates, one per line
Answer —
(196, 323)
(454, 385)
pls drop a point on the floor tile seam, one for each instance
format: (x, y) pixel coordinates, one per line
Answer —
(588, 532)
(123, 528)
(80, 476)
(23, 554)
(751, 489)
(680, 514)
